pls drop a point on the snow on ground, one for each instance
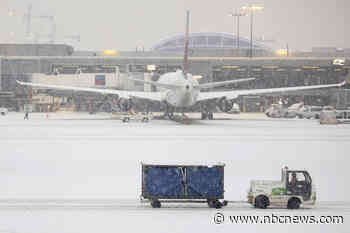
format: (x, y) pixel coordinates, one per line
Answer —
(90, 157)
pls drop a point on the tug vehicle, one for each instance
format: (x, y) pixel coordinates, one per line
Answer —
(143, 117)
(295, 189)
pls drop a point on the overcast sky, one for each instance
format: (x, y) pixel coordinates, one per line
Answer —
(122, 25)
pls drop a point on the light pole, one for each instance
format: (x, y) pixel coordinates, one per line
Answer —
(233, 15)
(251, 8)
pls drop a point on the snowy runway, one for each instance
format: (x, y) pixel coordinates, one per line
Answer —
(99, 159)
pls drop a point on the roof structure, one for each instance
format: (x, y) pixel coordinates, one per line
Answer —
(208, 40)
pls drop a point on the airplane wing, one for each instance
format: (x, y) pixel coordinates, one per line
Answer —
(234, 94)
(219, 84)
(157, 96)
(157, 84)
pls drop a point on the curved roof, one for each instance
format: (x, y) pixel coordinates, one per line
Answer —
(207, 40)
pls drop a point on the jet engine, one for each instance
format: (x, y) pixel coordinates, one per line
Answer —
(224, 105)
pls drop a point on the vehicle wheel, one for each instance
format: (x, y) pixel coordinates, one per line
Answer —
(217, 204)
(210, 203)
(155, 204)
(145, 119)
(261, 202)
(214, 204)
(204, 116)
(293, 203)
(224, 203)
(210, 116)
(171, 115)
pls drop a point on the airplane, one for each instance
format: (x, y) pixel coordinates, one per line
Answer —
(180, 90)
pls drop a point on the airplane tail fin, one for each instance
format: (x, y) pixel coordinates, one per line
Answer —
(185, 65)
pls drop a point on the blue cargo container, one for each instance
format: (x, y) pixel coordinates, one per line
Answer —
(183, 183)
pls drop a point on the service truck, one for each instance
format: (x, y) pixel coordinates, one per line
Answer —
(293, 190)
(183, 183)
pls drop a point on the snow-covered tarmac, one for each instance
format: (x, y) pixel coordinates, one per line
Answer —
(81, 173)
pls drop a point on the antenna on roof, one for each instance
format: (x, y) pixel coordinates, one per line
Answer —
(186, 44)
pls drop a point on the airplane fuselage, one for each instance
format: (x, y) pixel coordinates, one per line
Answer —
(185, 94)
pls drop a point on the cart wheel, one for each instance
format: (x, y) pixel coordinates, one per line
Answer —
(210, 203)
(155, 204)
(214, 204)
(217, 204)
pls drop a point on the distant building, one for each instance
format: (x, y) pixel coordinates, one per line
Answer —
(215, 44)
(36, 50)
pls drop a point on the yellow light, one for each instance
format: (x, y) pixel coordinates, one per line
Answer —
(252, 8)
(110, 52)
(151, 67)
(282, 52)
(257, 8)
(270, 67)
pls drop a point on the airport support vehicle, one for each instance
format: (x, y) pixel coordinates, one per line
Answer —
(183, 183)
(3, 111)
(293, 190)
(143, 117)
(309, 112)
(276, 111)
(328, 117)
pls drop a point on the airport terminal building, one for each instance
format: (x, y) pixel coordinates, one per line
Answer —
(269, 71)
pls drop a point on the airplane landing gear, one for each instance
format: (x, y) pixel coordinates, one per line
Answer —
(207, 115)
(169, 112)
